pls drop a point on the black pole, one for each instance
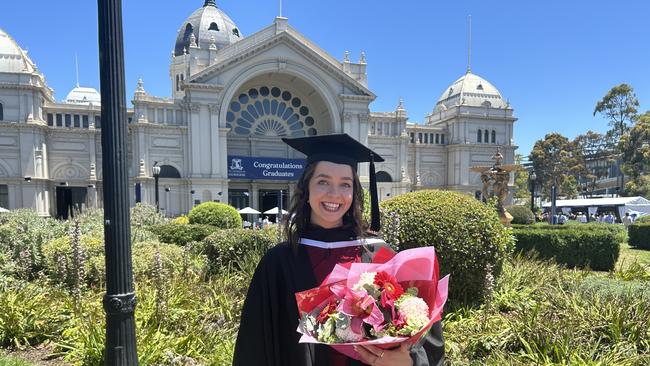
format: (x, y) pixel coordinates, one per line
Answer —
(553, 207)
(155, 178)
(120, 300)
(532, 196)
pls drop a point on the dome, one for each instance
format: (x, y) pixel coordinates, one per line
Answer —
(12, 57)
(84, 96)
(208, 25)
(471, 90)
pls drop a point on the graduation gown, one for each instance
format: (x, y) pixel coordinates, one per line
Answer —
(267, 332)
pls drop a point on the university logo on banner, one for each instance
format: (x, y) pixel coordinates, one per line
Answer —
(243, 167)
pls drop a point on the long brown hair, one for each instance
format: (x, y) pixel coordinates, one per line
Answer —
(299, 216)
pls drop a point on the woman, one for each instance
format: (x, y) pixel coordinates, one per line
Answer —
(326, 228)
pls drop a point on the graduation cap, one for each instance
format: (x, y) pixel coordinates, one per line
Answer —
(342, 149)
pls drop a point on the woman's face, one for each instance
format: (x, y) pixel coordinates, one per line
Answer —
(330, 193)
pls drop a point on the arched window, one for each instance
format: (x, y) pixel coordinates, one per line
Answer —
(479, 136)
(235, 31)
(188, 32)
(487, 136)
(494, 137)
(2, 113)
(178, 79)
(382, 176)
(168, 171)
(214, 27)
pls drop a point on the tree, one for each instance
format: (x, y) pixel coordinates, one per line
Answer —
(619, 106)
(554, 159)
(635, 148)
(521, 189)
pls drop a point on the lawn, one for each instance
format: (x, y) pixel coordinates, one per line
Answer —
(630, 254)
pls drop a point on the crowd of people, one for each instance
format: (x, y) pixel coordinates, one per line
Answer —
(606, 217)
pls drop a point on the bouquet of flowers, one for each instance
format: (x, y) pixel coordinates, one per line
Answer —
(395, 299)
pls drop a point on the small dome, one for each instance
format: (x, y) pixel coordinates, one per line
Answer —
(12, 58)
(206, 26)
(84, 96)
(471, 90)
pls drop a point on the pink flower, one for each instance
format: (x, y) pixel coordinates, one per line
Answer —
(360, 306)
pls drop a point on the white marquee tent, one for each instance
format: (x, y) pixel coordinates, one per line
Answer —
(632, 205)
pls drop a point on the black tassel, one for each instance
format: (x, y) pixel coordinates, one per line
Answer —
(375, 221)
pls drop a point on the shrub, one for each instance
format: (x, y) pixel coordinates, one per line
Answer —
(145, 215)
(469, 239)
(218, 214)
(639, 235)
(593, 246)
(181, 220)
(642, 219)
(61, 260)
(226, 248)
(521, 215)
(182, 234)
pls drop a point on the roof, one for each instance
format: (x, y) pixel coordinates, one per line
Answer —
(82, 95)
(207, 27)
(13, 58)
(610, 201)
(472, 90)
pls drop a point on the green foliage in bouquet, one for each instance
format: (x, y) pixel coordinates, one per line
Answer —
(470, 241)
(217, 214)
(521, 215)
(182, 234)
(227, 248)
(639, 235)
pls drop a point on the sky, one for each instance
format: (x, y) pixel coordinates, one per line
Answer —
(553, 60)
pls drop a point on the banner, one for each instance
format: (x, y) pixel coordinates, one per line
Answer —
(244, 167)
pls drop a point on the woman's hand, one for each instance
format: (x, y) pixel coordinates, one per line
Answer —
(376, 356)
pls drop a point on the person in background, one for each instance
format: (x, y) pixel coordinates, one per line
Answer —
(627, 220)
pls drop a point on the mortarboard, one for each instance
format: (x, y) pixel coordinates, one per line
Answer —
(342, 149)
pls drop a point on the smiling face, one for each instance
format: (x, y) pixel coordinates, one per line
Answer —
(331, 191)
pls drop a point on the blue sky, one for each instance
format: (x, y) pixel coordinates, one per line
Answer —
(553, 60)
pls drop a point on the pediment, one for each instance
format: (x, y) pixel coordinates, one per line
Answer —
(264, 42)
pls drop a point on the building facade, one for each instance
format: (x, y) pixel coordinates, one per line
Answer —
(232, 98)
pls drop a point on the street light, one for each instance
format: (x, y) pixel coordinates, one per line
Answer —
(531, 179)
(155, 170)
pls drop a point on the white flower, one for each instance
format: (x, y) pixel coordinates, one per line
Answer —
(414, 310)
(347, 335)
(366, 278)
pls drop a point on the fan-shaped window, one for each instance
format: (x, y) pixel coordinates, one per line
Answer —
(479, 87)
(494, 137)
(235, 31)
(2, 113)
(168, 171)
(188, 32)
(382, 176)
(214, 27)
(486, 104)
(479, 136)
(487, 136)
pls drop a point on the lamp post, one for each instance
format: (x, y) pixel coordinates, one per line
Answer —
(119, 301)
(531, 179)
(155, 170)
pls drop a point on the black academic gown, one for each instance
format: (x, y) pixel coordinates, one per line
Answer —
(267, 332)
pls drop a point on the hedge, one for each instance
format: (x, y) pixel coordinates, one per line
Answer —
(470, 240)
(228, 248)
(182, 234)
(639, 235)
(592, 246)
(217, 214)
(521, 215)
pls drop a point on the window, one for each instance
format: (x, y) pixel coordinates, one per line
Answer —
(50, 119)
(59, 120)
(84, 121)
(442, 139)
(494, 137)
(235, 31)
(178, 78)
(98, 122)
(77, 121)
(420, 137)
(412, 138)
(437, 138)
(4, 196)
(2, 112)
(214, 27)
(426, 138)
(479, 135)
(487, 136)
(68, 120)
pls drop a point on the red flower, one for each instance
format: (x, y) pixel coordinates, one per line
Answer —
(327, 310)
(390, 289)
(398, 320)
